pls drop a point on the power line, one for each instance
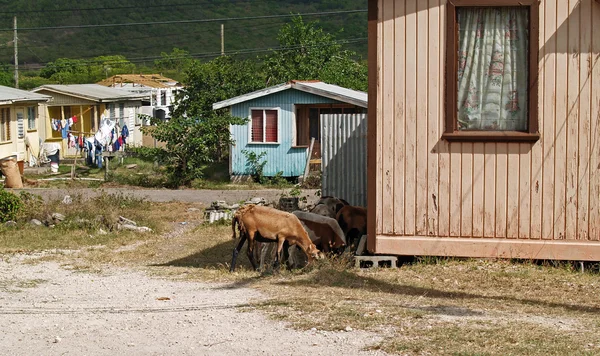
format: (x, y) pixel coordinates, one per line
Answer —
(216, 54)
(186, 21)
(194, 4)
(179, 34)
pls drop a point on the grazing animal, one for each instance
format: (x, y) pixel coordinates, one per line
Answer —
(324, 232)
(329, 206)
(264, 224)
(353, 221)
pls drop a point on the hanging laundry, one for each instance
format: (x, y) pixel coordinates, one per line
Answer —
(74, 118)
(71, 140)
(124, 134)
(53, 124)
(65, 129)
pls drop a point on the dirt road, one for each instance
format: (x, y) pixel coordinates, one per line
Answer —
(204, 196)
(47, 309)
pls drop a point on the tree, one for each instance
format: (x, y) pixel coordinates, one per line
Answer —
(178, 60)
(307, 52)
(197, 134)
(81, 71)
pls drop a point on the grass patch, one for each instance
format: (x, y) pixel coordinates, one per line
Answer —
(433, 306)
(15, 285)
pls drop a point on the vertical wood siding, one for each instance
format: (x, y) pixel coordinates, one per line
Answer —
(428, 187)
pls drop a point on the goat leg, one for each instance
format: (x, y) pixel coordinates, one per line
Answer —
(236, 251)
(250, 252)
(280, 242)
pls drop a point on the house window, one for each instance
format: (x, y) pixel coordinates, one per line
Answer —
(121, 114)
(264, 125)
(20, 125)
(111, 110)
(4, 124)
(491, 71)
(136, 115)
(163, 98)
(31, 118)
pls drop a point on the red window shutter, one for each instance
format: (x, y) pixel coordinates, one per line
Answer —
(271, 125)
(257, 126)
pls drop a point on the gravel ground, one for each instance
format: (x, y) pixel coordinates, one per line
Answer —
(204, 196)
(46, 309)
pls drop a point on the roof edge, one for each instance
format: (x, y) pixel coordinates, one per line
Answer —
(251, 96)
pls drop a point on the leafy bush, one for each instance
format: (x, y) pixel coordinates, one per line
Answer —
(10, 206)
(150, 154)
(255, 165)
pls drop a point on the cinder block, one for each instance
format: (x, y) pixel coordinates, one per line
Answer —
(376, 261)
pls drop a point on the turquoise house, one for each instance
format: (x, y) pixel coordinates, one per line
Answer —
(283, 120)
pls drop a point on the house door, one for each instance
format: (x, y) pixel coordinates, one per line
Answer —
(314, 131)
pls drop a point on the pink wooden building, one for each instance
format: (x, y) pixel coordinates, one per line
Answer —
(484, 128)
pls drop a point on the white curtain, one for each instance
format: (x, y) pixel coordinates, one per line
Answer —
(493, 46)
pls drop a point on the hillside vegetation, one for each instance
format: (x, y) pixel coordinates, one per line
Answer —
(142, 44)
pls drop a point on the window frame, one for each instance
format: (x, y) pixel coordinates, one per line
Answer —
(250, 142)
(451, 132)
(5, 120)
(33, 119)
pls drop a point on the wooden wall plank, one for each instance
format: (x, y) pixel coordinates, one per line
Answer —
(489, 219)
(400, 117)
(421, 143)
(537, 153)
(524, 190)
(585, 84)
(379, 154)
(572, 143)
(560, 173)
(388, 121)
(444, 146)
(512, 204)
(455, 188)
(501, 188)
(467, 190)
(549, 114)
(594, 204)
(433, 117)
(478, 188)
(411, 118)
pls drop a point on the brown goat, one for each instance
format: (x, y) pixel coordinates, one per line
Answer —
(329, 206)
(264, 224)
(353, 221)
(324, 232)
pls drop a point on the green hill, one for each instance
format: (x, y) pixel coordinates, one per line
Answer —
(143, 43)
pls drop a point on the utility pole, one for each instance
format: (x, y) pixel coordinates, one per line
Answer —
(222, 39)
(16, 55)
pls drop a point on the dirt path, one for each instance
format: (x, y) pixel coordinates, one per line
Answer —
(204, 196)
(51, 310)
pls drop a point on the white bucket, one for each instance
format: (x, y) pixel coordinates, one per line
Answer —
(54, 167)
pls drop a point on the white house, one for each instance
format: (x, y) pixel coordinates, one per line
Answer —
(19, 124)
(160, 90)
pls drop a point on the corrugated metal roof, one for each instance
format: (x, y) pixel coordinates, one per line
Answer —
(331, 91)
(92, 92)
(149, 80)
(10, 95)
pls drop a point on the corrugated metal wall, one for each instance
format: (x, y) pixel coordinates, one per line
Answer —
(426, 186)
(282, 156)
(344, 157)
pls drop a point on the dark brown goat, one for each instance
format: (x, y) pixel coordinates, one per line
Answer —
(353, 221)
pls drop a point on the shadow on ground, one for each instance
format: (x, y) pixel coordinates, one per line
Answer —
(352, 280)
